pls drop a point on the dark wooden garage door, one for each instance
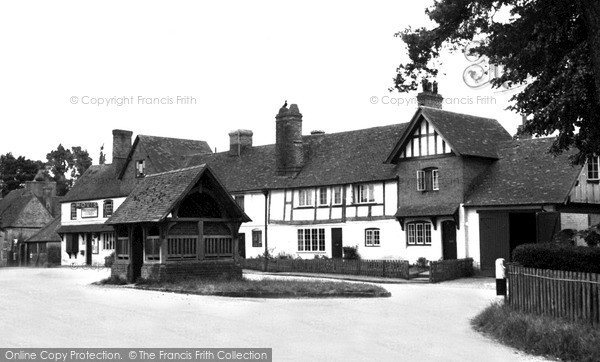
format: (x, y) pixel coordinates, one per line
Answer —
(493, 238)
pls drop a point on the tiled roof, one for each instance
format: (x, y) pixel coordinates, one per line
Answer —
(426, 210)
(467, 135)
(47, 233)
(154, 198)
(99, 182)
(87, 228)
(336, 158)
(12, 209)
(525, 174)
(167, 153)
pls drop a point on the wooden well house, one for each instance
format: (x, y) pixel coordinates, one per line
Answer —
(177, 223)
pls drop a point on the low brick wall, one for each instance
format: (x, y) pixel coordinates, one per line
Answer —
(375, 268)
(207, 269)
(442, 270)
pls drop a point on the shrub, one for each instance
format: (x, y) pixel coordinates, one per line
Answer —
(565, 236)
(109, 260)
(592, 239)
(321, 257)
(421, 262)
(351, 252)
(284, 255)
(558, 257)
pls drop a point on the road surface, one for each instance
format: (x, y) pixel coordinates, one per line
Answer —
(420, 322)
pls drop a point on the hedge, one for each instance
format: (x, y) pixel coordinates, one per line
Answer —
(558, 257)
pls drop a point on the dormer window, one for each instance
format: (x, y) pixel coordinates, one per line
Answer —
(305, 197)
(366, 193)
(108, 208)
(428, 179)
(592, 168)
(140, 167)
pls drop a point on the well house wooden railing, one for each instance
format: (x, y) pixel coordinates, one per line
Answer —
(574, 296)
(218, 246)
(182, 247)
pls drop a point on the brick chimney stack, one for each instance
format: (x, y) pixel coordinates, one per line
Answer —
(429, 97)
(121, 147)
(239, 141)
(289, 153)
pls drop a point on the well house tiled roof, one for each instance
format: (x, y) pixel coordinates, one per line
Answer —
(525, 174)
(154, 198)
(330, 159)
(48, 233)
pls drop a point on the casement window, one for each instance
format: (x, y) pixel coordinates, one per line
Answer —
(73, 211)
(256, 238)
(592, 168)
(122, 244)
(365, 193)
(240, 201)
(152, 247)
(140, 167)
(418, 233)
(72, 244)
(337, 195)
(428, 179)
(107, 210)
(311, 239)
(323, 196)
(108, 241)
(372, 237)
(305, 197)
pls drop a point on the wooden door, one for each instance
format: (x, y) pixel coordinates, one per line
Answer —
(336, 243)
(494, 240)
(449, 239)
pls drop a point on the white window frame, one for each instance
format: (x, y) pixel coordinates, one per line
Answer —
(140, 168)
(337, 192)
(311, 240)
(323, 192)
(372, 237)
(365, 193)
(421, 185)
(108, 241)
(435, 179)
(593, 170)
(305, 197)
(418, 233)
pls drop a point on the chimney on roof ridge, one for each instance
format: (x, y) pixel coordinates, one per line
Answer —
(289, 152)
(429, 97)
(121, 148)
(239, 141)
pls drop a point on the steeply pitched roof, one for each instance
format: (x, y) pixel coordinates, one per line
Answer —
(99, 182)
(330, 159)
(155, 197)
(47, 233)
(467, 135)
(20, 208)
(525, 174)
(166, 153)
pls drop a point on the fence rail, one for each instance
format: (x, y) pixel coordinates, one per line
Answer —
(376, 268)
(571, 295)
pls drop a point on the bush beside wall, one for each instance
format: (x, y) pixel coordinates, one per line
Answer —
(558, 257)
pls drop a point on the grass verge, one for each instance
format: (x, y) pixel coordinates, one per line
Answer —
(267, 288)
(539, 335)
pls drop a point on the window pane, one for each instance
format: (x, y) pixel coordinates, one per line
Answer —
(321, 239)
(300, 240)
(323, 196)
(411, 233)
(337, 195)
(315, 240)
(435, 180)
(420, 180)
(419, 233)
(427, 233)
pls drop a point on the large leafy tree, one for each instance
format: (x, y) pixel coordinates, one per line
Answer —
(63, 161)
(555, 45)
(14, 171)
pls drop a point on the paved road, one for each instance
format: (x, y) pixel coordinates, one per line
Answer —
(59, 308)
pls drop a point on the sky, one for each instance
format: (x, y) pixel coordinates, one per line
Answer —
(72, 71)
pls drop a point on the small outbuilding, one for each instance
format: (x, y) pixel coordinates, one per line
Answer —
(43, 248)
(177, 223)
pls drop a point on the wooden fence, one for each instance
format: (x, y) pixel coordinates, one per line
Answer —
(375, 268)
(570, 295)
(450, 269)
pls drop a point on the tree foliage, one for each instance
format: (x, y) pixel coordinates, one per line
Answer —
(14, 171)
(555, 44)
(72, 162)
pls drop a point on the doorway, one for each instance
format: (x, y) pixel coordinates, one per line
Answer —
(449, 239)
(88, 249)
(336, 243)
(137, 253)
(242, 245)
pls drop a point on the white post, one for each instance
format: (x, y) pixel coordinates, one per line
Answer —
(500, 277)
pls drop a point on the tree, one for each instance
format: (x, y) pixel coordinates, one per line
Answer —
(63, 161)
(556, 44)
(15, 171)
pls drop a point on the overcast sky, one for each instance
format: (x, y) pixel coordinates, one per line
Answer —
(232, 63)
